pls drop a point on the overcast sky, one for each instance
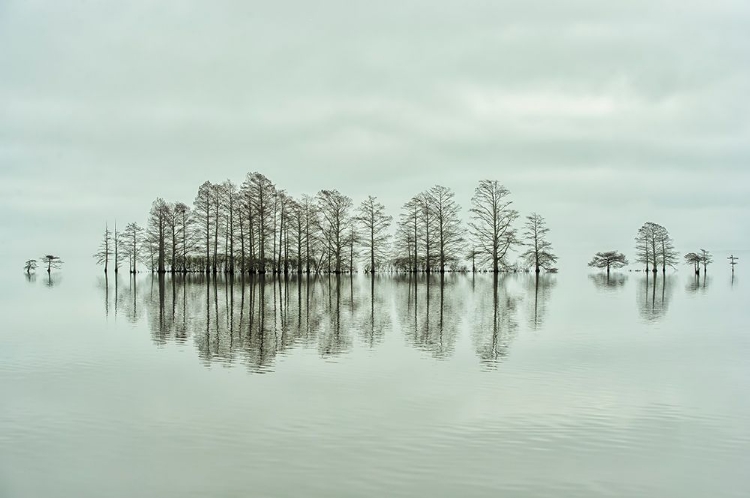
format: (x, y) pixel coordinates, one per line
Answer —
(599, 115)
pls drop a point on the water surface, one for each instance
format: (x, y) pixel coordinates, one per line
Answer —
(572, 385)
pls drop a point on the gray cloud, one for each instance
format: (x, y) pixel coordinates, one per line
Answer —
(599, 115)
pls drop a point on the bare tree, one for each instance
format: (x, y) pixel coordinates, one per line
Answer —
(375, 236)
(29, 266)
(202, 215)
(706, 259)
(608, 259)
(261, 192)
(654, 247)
(335, 213)
(539, 253)
(694, 259)
(105, 249)
(52, 262)
(408, 235)
(447, 226)
(158, 224)
(492, 223)
(131, 244)
(116, 241)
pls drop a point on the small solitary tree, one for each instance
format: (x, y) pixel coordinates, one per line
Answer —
(51, 261)
(706, 259)
(539, 253)
(608, 259)
(105, 249)
(30, 266)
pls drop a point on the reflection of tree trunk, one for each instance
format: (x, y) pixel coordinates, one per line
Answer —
(536, 301)
(337, 322)
(106, 294)
(442, 304)
(208, 314)
(216, 314)
(161, 303)
(372, 310)
(495, 317)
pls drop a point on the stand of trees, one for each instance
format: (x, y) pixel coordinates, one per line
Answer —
(699, 258)
(655, 248)
(258, 228)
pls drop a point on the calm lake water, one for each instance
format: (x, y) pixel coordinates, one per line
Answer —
(572, 386)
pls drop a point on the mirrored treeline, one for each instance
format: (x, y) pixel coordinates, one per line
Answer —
(252, 320)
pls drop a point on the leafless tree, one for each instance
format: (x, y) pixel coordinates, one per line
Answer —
(375, 236)
(334, 211)
(202, 216)
(53, 262)
(105, 249)
(158, 225)
(492, 223)
(29, 266)
(408, 235)
(706, 259)
(131, 244)
(654, 247)
(694, 259)
(447, 226)
(608, 259)
(539, 250)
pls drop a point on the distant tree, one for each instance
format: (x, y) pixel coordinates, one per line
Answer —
(408, 235)
(334, 211)
(202, 216)
(30, 266)
(261, 192)
(131, 244)
(539, 253)
(105, 249)
(52, 262)
(116, 243)
(666, 250)
(492, 223)
(694, 259)
(447, 225)
(654, 247)
(374, 223)
(424, 202)
(608, 259)
(706, 259)
(158, 225)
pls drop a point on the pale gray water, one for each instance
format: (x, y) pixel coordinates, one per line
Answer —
(579, 387)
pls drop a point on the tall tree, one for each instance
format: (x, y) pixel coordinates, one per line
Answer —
(447, 226)
(492, 223)
(408, 233)
(105, 249)
(182, 220)
(131, 244)
(334, 210)
(608, 259)
(262, 192)
(374, 223)
(202, 215)
(539, 250)
(116, 242)
(158, 224)
(706, 259)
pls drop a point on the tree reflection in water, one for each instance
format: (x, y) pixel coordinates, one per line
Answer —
(654, 293)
